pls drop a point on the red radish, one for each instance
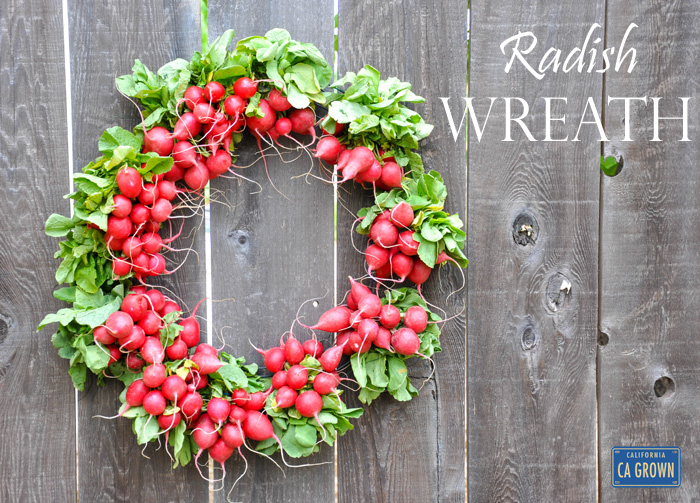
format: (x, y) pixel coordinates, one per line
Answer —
(232, 435)
(129, 182)
(443, 257)
(218, 410)
(150, 323)
(119, 228)
(174, 387)
(258, 427)
(170, 307)
(151, 242)
(113, 243)
(191, 404)
(101, 335)
(383, 339)
(193, 95)
(376, 256)
(177, 350)
(234, 105)
(278, 101)
(135, 305)
(176, 173)
(391, 175)
(357, 344)
(197, 176)
(131, 246)
(343, 342)
(151, 226)
(170, 421)
(207, 363)
(190, 327)
(206, 348)
(122, 206)
(358, 290)
(274, 359)
(360, 160)
(204, 432)
(416, 318)
(187, 127)
(114, 355)
(261, 124)
(134, 340)
(405, 341)
(302, 120)
(293, 350)
(256, 401)
(402, 265)
(154, 402)
(138, 290)
(384, 272)
(313, 347)
(220, 452)
(402, 215)
(370, 306)
(309, 404)
(214, 92)
(167, 190)
(161, 210)
(408, 245)
(204, 113)
(367, 329)
(245, 88)
(343, 159)
(330, 358)
(240, 397)
(333, 320)
(355, 319)
(119, 324)
(238, 414)
(389, 316)
(184, 154)
(283, 126)
(156, 264)
(285, 397)
(120, 267)
(156, 300)
(135, 394)
(140, 214)
(297, 376)
(219, 163)
(420, 272)
(154, 375)
(328, 149)
(152, 350)
(384, 233)
(158, 140)
(149, 194)
(325, 383)
(371, 174)
(279, 379)
(141, 264)
(352, 303)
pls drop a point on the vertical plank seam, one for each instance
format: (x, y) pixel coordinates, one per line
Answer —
(336, 30)
(69, 139)
(466, 305)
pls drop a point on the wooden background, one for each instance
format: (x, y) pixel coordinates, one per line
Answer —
(534, 386)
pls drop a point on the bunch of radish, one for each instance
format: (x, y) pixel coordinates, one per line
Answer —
(360, 164)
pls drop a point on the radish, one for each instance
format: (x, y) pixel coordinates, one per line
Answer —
(170, 307)
(232, 435)
(134, 340)
(119, 228)
(357, 344)
(343, 159)
(204, 432)
(149, 194)
(152, 350)
(370, 306)
(220, 452)
(360, 160)
(234, 105)
(122, 206)
(278, 101)
(191, 404)
(389, 316)
(206, 363)
(274, 358)
(416, 318)
(402, 265)
(190, 327)
(279, 379)
(383, 339)
(405, 341)
(174, 387)
(158, 140)
(119, 324)
(330, 359)
(135, 394)
(328, 149)
(204, 113)
(240, 397)
(309, 404)
(167, 190)
(161, 210)
(101, 335)
(139, 214)
(358, 291)
(420, 272)
(355, 319)
(219, 163)
(333, 320)
(285, 397)
(151, 242)
(197, 176)
(206, 348)
(343, 342)
(303, 121)
(259, 125)
(258, 427)
(256, 401)
(156, 265)
(245, 88)
(135, 305)
(402, 215)
(325, 384)
(177, 350)
(297, 376)
(170, 421)
(186, 127)
(218, 410)
(154, 402)
(155, 299)
(376, 256)
(113, 243)
(371, 174)
(184, 154)
(367, 329)
(193, 95)
(391, 175)
(150, 323)
(154, 375)
(283, 126)
(293, 350)
(238, 414)
(313, 347)
(141, 264)
(121, 267)
(129, 182)
(131, 246)
(384, 233)
(176, 173)
(407, 244)
(214, 92)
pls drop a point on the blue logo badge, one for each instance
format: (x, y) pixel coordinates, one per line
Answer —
(646, 467)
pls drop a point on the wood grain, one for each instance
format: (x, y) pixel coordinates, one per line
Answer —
(649, 250)
(105, 39)
(37, 408)
(272, 252)
(415, 451)
(532, 347)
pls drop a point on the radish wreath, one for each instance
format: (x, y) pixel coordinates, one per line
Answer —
(194, 114)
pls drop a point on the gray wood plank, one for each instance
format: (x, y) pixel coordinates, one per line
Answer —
(104, 40)
(35, 389)
(649, 258)
(270, 254)
(415, 451)
(531, 359)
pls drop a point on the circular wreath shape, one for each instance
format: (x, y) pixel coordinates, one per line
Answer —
(194, 114)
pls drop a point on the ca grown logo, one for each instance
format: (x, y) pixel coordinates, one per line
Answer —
(511, 114)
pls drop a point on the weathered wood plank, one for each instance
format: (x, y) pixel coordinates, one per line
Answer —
(649, 243)
(105, 39)
(35, 388)
(531, 359)
(270, 253)
(415, 451)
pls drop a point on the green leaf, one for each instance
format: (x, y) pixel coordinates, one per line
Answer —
(96, 358)
(115, 137)
(96, 317)
(305, 435)
(347, 111)
(146, 429)
(78, 373)
(58, 226)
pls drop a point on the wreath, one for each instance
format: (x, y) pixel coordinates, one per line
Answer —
(190, 395)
